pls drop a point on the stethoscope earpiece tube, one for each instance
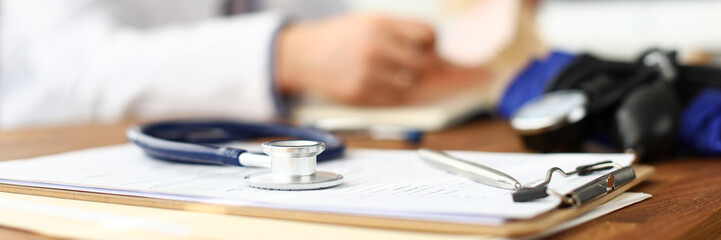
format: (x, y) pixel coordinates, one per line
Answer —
(183, 152)
(190, 141)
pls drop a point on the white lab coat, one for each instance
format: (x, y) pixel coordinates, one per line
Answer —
(82, 61)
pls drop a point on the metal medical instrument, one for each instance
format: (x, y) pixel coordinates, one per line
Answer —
(293, 167)
(292, 162)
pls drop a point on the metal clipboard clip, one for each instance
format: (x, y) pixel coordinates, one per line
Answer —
(589, 191)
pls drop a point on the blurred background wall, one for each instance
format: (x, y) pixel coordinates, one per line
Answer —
(622, 29)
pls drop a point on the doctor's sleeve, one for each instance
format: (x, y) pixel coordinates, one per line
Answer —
(221, 68)
(102, 71)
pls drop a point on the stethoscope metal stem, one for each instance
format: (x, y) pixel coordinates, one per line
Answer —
(251, 159)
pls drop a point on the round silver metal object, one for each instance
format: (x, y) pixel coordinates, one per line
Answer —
(293, 165)
(550, 111)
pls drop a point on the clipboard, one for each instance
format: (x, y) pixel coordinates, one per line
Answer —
(514, 228)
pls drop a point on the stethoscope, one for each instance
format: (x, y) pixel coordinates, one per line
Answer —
(292, 162)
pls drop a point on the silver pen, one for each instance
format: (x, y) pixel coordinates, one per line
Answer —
(468, 169)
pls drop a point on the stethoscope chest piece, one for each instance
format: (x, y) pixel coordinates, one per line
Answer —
(293, 165)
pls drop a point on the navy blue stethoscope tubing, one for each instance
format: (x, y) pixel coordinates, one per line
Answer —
(192, 141)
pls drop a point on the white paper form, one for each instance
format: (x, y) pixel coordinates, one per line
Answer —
(390, 183)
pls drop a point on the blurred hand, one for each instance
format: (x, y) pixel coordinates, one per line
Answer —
(446, 80)
(355, 59)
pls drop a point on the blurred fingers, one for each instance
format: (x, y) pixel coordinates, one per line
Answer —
(389, 85)
(417, 34)
(402, 56)
(410, 45)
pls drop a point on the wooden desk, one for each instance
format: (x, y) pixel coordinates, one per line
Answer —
(686, 200)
